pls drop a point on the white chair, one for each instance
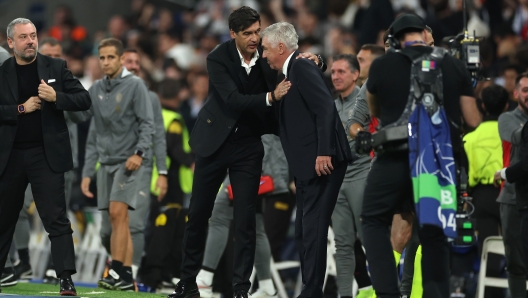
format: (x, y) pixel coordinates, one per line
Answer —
(91, 255)
(492, 244)
(274, 269)
(330, 264)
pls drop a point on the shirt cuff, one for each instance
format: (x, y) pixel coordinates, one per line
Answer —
(162, 173)
(503, 174)
(267, 102)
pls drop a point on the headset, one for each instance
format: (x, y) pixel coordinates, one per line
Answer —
(394, 43)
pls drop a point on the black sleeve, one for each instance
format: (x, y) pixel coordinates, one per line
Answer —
(73, 97)
(463, 74)
(374, 76)
(175, 145)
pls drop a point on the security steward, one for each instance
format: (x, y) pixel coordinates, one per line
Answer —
(389, 183)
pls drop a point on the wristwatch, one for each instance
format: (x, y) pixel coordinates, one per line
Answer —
(21, 109)
(320, 62)
(139, 153)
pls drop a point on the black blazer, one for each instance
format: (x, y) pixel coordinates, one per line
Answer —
(225, 103)
(71, 96)
(309, 124)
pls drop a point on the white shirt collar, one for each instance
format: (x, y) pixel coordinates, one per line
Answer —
(251, 62)
(285, 66)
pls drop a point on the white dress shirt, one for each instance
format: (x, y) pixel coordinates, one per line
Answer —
(249, 66)
(285, 66)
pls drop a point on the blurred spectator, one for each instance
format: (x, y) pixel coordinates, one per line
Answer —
(520, 20)
(507, 79)
(199, 91)
(117, 27)
(170, 46)
(92, 71)
(443, 19)
(374, 20)
(65, 27)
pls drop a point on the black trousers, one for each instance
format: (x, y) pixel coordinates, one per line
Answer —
(243, 158)
(30, 166)
(388, 186)
(316, 199)
(524, 235)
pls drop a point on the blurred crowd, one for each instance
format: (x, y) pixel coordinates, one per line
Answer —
(174, 43)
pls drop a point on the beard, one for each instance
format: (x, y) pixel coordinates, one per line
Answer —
(522, 104)
(26, 57)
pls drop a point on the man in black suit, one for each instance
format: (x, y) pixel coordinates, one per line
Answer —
(35, 145)
(227, 136)
(316, 148)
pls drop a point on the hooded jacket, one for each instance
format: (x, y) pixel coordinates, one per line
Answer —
(122, 115)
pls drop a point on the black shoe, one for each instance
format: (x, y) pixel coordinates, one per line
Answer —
(8, 280)
(67, 288)
(185, 290)
(240, 294)
(23, 271)
(114, 282)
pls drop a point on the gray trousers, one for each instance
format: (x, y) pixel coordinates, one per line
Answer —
(511, 227)
(217, 238)
(137, 218)
(347, 228)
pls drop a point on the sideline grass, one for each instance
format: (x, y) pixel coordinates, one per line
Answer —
(34, 289)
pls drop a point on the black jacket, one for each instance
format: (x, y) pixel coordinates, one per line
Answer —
(518, 173)
(71, 96)
(309, 125)
(226, 103)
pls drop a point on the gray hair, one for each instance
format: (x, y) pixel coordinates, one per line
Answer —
(281, 32)
(17, 21)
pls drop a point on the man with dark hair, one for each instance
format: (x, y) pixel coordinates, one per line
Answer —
(227, 136)
(510, 131)
(51, 47)
(389, 183)
(509, 73)
(345, 218)
(429, 36)
(123, 124)
(191, 107)
(365, 56)
(36, 147)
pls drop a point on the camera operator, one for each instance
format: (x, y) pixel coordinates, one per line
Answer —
(389, 183)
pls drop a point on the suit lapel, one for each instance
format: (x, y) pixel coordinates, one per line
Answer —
(12, 80)
(289, 74)
(43, 68)
(237, 65)
(43, 71)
